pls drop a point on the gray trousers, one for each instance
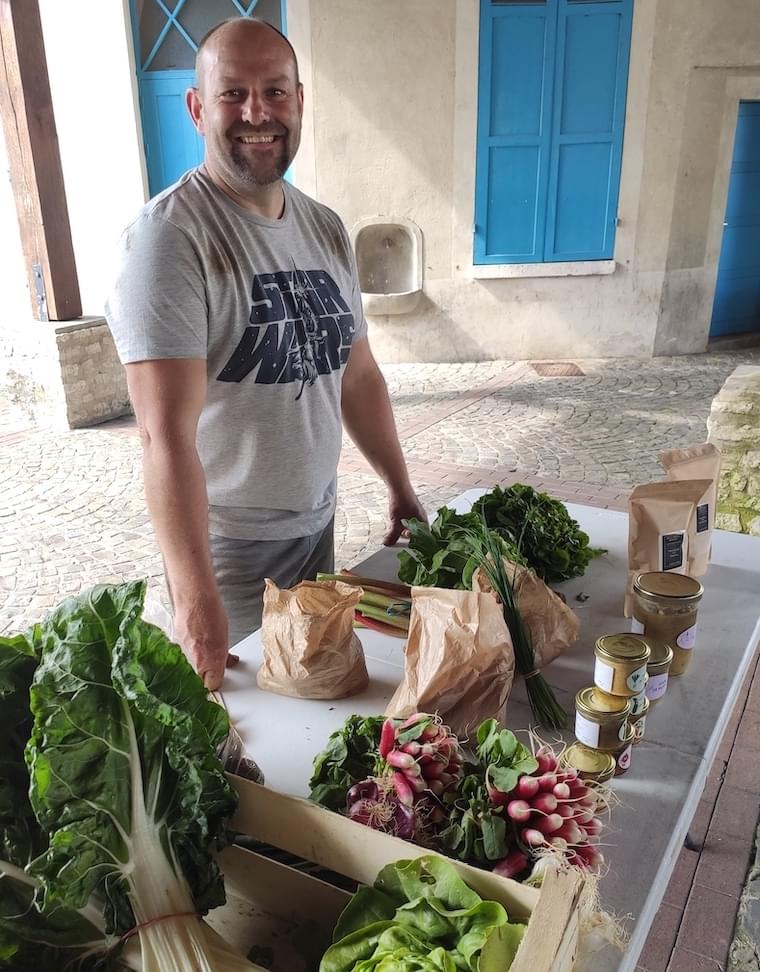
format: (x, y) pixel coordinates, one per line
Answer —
(240, 567)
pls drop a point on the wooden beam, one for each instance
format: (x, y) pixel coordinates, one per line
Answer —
(26, 109)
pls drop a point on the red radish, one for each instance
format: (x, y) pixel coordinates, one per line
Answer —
(527, 787)
(549, 824)
(434, 770)
(571, 832)
(435, 787)
(450, 743)
(400, 760)
(417, 784)
(590, 856)
(578, 790)
(413, 771)
(562, 791)
(387, 738)
(545, 764)
(497, 797)
(403, 790)
(593, 827)
(584, 816)
(413, 748)
(519, 810)
(511, 865)
(545, 803)
(429, 733)
(547, 782)
(447, 779)
(416, 717)
(532, 837)
(425, 760)
(566, 811)
(559, 843)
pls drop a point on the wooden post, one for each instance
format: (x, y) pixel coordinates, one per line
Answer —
(35, 164)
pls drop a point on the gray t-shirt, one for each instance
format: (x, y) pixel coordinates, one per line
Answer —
(273, 305)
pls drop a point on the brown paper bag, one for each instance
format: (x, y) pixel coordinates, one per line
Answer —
(309, 645)
(553, 626)
(697, 462)
(459, 659)
(660, 516)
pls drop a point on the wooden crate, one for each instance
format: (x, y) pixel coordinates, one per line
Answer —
(277, 907)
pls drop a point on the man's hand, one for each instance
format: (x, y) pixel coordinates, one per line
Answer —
(400, 508)
(204, 635)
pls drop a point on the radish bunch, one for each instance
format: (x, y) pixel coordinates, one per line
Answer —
(552, 810)
(421, 756)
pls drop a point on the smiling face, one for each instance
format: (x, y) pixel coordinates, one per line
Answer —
(248, 107)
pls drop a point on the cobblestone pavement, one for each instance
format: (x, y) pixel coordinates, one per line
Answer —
(72, 508)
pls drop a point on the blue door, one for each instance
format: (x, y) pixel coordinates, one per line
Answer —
(166, 37)
(736, 309)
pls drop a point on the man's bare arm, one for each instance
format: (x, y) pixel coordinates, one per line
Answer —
(167, 396)
(368, 418)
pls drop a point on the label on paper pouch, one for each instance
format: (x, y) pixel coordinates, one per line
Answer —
(671, 550)
(687, 639)
(586, 731)
(637, 627)
(603, 675)
(657, 686)
(703, 517)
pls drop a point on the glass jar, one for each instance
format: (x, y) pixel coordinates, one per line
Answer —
(621, 664)
(640, 702)
(638, 721)
(592, 764)
(658, 668)
(665, 608)
(600, 719)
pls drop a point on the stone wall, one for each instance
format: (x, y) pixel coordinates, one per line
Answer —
(64, 375)
(734, 426)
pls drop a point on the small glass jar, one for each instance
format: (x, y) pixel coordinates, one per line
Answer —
(623, 754)
(621, 664)
(592, 764)
(665, 608)
(638, 721)
(658, 668)
(600, 719)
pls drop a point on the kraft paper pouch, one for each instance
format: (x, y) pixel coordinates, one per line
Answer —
(459, 659)
(309, 645)
(553, 626)
(697, 462)
(660, 516)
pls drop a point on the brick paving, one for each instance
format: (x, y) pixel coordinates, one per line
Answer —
(72, 514)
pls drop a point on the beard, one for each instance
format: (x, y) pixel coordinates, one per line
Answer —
(261, 172)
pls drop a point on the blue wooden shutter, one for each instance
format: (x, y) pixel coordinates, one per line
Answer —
(593, 45)
(514, 119)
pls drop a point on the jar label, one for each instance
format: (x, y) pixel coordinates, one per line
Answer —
(624, 758)
(586, 731)
(687, 639)
(637, 627)
(657, 686)
(603, 675)
(623, 730)
(638, 727)
(637, 680)
(638, 703)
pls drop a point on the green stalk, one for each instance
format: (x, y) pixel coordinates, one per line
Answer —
(544, 706)
(378, 614)
(369, 583)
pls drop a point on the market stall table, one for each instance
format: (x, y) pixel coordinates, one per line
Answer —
(660, 793)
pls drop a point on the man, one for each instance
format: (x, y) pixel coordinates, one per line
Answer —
(238, 316)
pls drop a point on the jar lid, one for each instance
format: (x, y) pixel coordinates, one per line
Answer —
(591, 762)
(623, 647)
(660, 658)
(600, 706)
(664, 583)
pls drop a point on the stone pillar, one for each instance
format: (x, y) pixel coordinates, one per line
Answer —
(64, 375)
(734, 427)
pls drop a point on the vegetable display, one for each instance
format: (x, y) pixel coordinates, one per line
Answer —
(501, 806)
(126, 793)
(420, 916)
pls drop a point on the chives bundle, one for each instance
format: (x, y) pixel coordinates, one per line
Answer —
(486, 548)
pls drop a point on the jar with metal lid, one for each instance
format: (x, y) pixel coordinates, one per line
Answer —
(639, 703)
(600, 718)
(638, 721)
(658, 667)
(621, 664)
(665, 608)
(592, 764)
(623, 754)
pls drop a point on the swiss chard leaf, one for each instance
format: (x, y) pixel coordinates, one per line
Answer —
(349, 756)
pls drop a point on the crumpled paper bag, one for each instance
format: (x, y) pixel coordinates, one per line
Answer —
(553, 626)
(459, 659)
(309, 645)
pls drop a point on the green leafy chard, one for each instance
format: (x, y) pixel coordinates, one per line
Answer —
(351, 755)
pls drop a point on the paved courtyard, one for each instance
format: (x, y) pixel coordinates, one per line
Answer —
(72, 514)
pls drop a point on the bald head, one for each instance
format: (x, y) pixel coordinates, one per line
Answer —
(239, 30)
